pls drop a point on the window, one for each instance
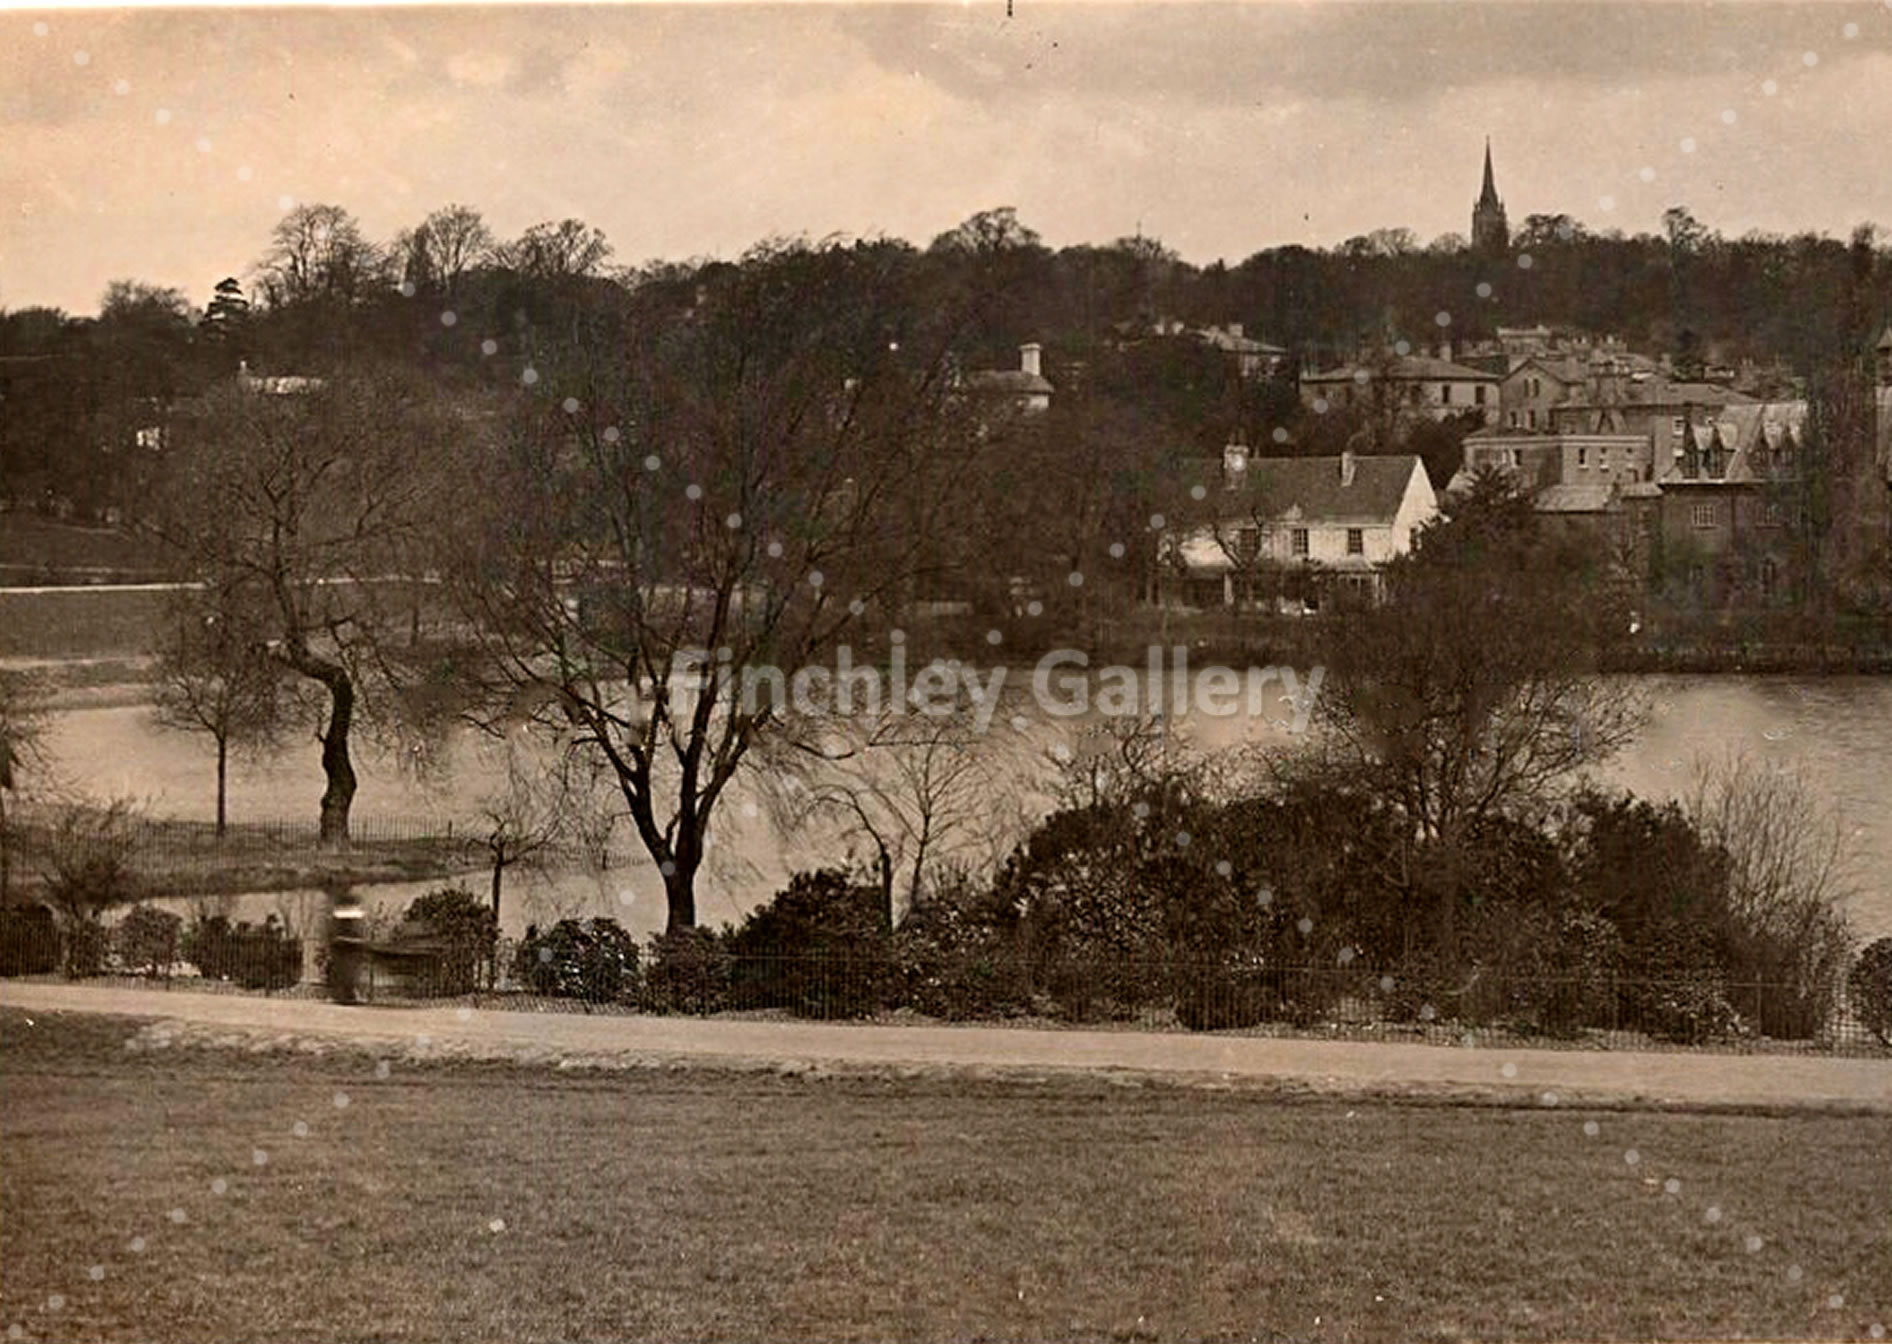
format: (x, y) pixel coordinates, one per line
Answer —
(1677, 425)
(1512, 419)
(1583, 457)
(1478, 394)
(1299, 541)
(1705, 515)
(1445, 393)
(1531, 418)
(1356, 541)
(1247, 543)
(1772, 514)
(1514, 456)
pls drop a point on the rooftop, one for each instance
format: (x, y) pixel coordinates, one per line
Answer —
(1293, 488)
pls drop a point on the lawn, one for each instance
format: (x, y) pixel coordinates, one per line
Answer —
(504, 1202)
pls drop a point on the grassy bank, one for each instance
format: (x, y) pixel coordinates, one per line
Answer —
(449, 1202)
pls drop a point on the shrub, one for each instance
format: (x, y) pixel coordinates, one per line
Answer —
(688, 973)
(89, 869)
(29, 940)
(820, 948)
(253, 956)
(459, 930)
(146, 939)
(954, 959)
(1869, 985)
(595, 960)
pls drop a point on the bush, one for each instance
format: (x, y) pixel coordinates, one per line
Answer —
(255, 957)
(29, 940)
(146, 939)
(820, 949)
(1869, 985)
(460, 932)
(689, 972)
(954, 960)
(595, 960)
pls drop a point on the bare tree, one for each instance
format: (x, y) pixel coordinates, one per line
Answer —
(214, 676)
(318, 251)
(555, 251)
(451, 241)
(308, 509)
(726, 497)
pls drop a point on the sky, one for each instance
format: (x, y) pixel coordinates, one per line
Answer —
(164, 144)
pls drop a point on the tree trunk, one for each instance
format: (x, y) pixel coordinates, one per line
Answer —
(6, 850)
(337, 768)
(680, 897)
(223, 774)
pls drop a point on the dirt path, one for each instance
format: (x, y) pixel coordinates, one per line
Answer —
(1541, 1077)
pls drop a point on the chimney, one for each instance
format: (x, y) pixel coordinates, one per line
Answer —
(1445, 350)
(1028, 358)
(1235, 329)
(1346, 467)
(1234, 464)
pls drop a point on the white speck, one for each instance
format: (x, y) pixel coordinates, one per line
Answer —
(121, 87)
(1877, 1331)
(1182, 839)
(1810, 59)
(1140, 810)
(258, 1158)
(489, 346)
(1850, 31)
(1647, 174)
(1713, 1214)
(652, 462)
(1549, 1099)
(406, 287)
(816, 578)
(82, 58)
(1265, 896)
(203, 144)
(16, 1330)
(1729, 116)
(749, 809)
(463, 1014)
(1223, 868)
(162, 116)
(497, 1225)
(1509, 1070)
(423, 1040)
(1281, 435)
(245, 173)
(775, 550)
(1361, 376)
(667, 868)
(1320, 405)
(1688, 144)
(1443, 318)
(1795, 1273)
(1304, 924)
(1034, 608)
(1524, 261)
(1020, 723)
(1198, 492)
(1399, 348)
(1606, 203)
(300, 1129)
(1116, 550)
(1427, 1012)
(96, 1273)
(137, 1245)
(40, 29)
(382, 1068)
(693, 491)
(628, 898)
(1770, 87)
(529, 377)
(1753, 1244)
(1076, 580)
(733, 522)
(994, 637)
(1484, 289)
(1156, 522)
(1386, 984)
(56, 1302)
(571, 405)
(341, 1101)
(285, 202)
(611, 434)
(179, 1216)
(1672, 1186)
(1835, 1301)
(1632, 1157)
(219, 1186)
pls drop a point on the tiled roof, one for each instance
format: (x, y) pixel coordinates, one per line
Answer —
(1275, 487)
(1578, 498)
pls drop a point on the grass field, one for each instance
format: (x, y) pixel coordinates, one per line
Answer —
(462, 1202)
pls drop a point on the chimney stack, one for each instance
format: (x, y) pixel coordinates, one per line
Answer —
(1028, 358)
(1235, 329)
(1234, 464)
(1346, 467)
(1445, 350)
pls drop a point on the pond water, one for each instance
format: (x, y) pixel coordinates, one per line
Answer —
(1837, 731)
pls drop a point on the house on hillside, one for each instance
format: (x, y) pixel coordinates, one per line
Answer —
(1286, 531)
(1024, 389)
(1252, 358)
(1422, 385)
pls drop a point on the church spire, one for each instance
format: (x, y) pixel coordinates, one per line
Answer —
(1491, 233)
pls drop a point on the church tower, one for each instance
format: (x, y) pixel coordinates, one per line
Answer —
(1491, 234)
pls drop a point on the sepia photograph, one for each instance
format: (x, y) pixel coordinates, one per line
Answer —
(946, 671)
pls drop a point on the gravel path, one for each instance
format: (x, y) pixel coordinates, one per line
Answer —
(1539, 1077)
